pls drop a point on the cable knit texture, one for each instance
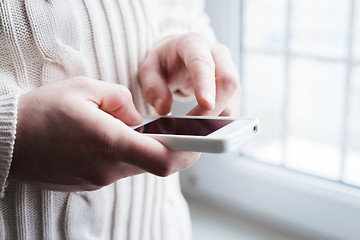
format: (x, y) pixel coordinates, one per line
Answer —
(46, 41)
(8, 109)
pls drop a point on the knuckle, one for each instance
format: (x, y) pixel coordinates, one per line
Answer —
(81, 78)
(79, 82)
(165, 169)
(222, 48)
(83, 84)
(150, 90)
(123, 92)
(202, 60)
(229, 82)
(189, 38)
(65, 106)
(100, 179)
(194, 35)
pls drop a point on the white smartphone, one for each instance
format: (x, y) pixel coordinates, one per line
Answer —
(200, 134)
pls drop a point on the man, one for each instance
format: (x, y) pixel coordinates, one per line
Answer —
(74, 75)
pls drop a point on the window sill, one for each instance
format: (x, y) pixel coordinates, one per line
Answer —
(293, 201)
(212, 222)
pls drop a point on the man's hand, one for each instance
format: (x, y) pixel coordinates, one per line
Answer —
(188, 65)
(74, 136)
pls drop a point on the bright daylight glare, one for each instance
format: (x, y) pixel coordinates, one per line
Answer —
(301, 78)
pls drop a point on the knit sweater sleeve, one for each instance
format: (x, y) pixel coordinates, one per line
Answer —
(184, 16)
(8, 114)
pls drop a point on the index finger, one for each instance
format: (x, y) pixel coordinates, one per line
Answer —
(195, 52)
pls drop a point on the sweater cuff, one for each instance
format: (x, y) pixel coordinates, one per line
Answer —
(8, 119)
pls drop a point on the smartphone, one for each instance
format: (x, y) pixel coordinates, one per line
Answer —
(200, 134)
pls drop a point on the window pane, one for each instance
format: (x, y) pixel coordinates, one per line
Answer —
(312, 140)
(263, 97)
(315, 113)
(264, 24)
(352, 159)
(320, 27)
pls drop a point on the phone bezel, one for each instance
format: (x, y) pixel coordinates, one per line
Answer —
(224, 139)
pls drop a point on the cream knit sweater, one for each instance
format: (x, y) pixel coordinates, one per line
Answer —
(45, 41)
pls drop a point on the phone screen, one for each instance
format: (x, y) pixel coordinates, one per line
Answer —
(183, 126)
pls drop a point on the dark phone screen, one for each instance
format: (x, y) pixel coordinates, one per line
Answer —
(183, 126)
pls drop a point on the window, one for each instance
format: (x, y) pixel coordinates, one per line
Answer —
(300, 66)
(301, 78)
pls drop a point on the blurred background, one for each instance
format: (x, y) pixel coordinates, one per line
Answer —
(300, 72)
